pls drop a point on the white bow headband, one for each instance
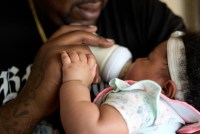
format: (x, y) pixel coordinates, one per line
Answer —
(177, 63)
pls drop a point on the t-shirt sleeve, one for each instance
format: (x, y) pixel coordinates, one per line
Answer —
(156, 19)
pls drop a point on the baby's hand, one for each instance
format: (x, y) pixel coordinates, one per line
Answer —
(78, 66)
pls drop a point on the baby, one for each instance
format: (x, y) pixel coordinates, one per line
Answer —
(137, 106)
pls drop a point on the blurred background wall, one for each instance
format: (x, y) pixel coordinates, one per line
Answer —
(189, 10)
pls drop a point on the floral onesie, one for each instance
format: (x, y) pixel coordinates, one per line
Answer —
(141, 106)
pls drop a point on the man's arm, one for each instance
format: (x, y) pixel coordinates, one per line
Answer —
(39, 97)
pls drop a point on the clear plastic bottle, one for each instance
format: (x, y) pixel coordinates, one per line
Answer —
(112, 61)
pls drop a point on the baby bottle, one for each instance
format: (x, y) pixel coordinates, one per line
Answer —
(112, 61)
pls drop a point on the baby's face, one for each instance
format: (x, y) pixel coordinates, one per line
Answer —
(153, 67)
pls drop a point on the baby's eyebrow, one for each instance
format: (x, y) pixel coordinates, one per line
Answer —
(149, 55)
(165, 56)
(165, 61)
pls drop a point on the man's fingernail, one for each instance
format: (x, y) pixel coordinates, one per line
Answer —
(110, 40)
(92, 26)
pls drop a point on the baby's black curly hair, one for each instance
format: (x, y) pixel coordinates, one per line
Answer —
(191, 42)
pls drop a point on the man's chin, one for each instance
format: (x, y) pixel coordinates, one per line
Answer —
(88, 22)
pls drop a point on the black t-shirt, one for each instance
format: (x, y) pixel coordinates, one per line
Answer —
(137, 24)
(19, 43)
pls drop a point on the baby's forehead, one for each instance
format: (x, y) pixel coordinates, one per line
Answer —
(161, 49)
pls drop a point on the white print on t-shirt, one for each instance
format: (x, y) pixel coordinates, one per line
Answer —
(11, 82)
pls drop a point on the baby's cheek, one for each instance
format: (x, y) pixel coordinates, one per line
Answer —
(130, 75)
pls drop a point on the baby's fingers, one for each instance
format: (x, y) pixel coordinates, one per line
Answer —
(83, 57)
(65, 58)
(91, 60)
(92, 63)
(73, 56)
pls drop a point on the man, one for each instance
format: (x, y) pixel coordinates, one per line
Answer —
(26, 25)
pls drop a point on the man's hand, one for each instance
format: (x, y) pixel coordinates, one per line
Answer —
(39, 97)
(45, 77)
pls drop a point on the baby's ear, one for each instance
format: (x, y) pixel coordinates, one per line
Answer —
(169, 88)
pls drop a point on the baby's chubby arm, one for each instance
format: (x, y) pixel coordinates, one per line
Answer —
(78, 114)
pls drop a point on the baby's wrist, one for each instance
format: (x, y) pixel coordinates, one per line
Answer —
(74, 82)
